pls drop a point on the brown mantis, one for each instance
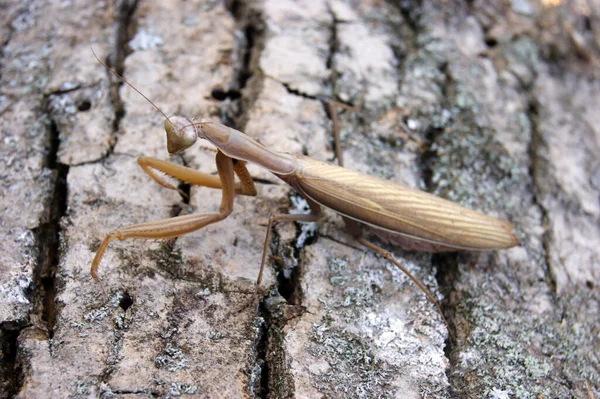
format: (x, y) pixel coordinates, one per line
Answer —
(413, 219)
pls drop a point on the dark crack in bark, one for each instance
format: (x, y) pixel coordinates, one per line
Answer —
(278, 381)
(125, 31)
(536, 141)
(11, 369)
(248, 45)
(48, 232)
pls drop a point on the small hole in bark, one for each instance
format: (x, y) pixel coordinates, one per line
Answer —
(375, 288)
(126, 301)
(590, 284)
(218, 93)
(491, 42)
(84, 105)
(587, 23)
(234, 94)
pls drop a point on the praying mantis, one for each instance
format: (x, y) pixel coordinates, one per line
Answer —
(412, 219)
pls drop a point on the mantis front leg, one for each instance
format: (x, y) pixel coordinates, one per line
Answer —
(177, 226)
(191, 176)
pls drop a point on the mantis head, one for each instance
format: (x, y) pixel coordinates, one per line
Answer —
(181, 134)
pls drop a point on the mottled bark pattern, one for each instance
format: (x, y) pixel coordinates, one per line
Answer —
(491, 104)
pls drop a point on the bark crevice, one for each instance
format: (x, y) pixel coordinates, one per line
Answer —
(125, 30)
(49, 231)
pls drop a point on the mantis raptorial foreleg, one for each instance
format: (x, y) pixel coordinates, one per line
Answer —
(177, 226)
(192, 176)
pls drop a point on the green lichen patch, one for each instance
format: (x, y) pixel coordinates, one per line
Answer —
(471, 167)
(354, 370)
(526, 354)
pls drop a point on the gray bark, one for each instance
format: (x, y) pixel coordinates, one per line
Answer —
(493, 105)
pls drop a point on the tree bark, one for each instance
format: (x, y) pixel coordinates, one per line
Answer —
(490, 104)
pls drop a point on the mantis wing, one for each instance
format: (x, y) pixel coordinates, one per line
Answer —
(400, 210)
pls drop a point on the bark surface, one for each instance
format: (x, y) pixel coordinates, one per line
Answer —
(493, 105)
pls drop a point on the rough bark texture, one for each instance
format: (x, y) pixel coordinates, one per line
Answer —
(493, 105)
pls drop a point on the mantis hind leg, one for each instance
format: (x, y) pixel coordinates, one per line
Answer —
(177, 226)
(388, 256)
(355, 229)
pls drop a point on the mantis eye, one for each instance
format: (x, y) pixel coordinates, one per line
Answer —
(181, 134)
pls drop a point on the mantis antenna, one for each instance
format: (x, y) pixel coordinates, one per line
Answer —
(122, 79)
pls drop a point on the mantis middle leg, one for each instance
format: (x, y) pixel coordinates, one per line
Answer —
(313, 216)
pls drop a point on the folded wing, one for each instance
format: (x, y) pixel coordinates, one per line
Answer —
(401, 210)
